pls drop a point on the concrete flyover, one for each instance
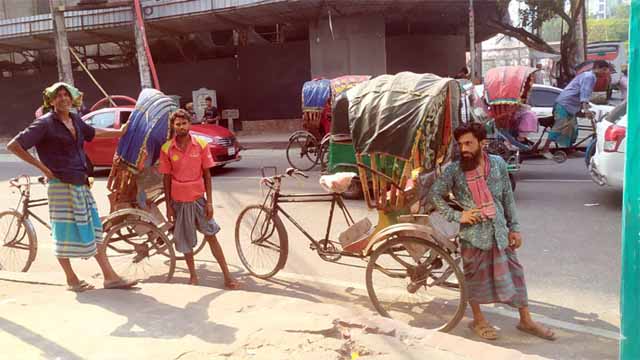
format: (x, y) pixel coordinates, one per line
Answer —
(175, 17)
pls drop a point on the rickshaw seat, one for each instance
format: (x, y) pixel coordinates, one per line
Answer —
(336, 183)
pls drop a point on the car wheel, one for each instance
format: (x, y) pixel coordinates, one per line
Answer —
(90, 168)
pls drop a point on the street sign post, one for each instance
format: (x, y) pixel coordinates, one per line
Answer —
(630, 282)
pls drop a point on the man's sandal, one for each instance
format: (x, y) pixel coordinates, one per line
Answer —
(485, 331)
(121, 284)
(541, 332)
(82, 286)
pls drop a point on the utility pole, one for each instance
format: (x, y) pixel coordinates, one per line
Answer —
(65, 71)
(581, 38)
(472, 41)
(630, 281)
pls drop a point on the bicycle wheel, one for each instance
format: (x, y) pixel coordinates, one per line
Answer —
(261, 241)
(139, 250)
(303, 151)
(324, 154)
(160, 205)
(19, 244)
(415, 281)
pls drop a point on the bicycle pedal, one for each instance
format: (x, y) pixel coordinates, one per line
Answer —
(313, 247)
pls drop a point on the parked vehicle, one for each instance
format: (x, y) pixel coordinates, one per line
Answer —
(605, 157)
(611, 51)
(224, 146)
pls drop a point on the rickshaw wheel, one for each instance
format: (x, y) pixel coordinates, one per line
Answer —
(324, 157)
(303, 151)
(560, 156)
(410, 279)
(261, 241)
(140, 250)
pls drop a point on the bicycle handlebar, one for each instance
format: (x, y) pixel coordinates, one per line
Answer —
(271, 180)
(15, 182)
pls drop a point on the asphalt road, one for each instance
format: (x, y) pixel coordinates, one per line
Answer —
(571, 252)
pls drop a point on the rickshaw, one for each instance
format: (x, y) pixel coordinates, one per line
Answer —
(506, 90)
(404, 125)
(308, 147)
(138, 236)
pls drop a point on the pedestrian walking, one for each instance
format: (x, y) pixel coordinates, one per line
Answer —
(572, 99)
(58, 137)
(185, 161)
(489, 231)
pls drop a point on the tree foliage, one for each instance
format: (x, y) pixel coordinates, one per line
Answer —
(533, 14)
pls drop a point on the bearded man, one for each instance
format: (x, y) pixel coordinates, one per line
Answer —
(489, 231)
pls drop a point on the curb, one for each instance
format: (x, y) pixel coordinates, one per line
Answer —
(266, 145)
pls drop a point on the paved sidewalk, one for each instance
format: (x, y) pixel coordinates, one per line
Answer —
(40, 319)
(267, 140)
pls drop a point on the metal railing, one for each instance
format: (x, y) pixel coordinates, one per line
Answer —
(155, 10)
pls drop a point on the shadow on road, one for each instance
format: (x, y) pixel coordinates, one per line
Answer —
(147, 317)
(50, 349)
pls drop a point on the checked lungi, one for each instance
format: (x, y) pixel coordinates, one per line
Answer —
(494, 276)
(75, 223)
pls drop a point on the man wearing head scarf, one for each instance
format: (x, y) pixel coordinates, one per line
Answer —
(58, 137)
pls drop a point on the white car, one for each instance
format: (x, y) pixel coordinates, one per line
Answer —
(606, 164)
(541, 100)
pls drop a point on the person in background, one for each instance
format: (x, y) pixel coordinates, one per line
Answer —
(189, 108)
(539, 76)
(211, 115)
(462, 74)
(574, 98)
(624, 82)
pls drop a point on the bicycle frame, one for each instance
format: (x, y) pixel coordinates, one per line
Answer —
(28, 203)
(334, 199)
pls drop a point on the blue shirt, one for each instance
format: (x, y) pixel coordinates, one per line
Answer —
(482, 235)
(578, 91)
(56, 147)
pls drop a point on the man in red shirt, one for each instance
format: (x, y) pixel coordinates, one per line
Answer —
(185, 161)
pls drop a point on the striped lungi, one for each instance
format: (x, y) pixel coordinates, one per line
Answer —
(494, 276)
(75, 223)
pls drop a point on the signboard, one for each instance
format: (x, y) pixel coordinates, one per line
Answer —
(199, 102)
(231, 114)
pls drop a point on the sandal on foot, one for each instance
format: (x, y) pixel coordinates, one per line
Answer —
(233, 285)
(82, 286)
(485, 331)
(121, 284)
(539, 331)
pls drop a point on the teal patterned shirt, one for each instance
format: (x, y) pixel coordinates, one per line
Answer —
(481, 235)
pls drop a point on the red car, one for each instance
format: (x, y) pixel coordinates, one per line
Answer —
(224, 146)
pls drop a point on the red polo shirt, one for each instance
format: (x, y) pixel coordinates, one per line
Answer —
(186, 168)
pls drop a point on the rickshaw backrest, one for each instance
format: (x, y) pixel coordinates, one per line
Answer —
(404, 125)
